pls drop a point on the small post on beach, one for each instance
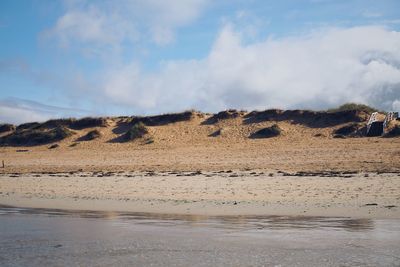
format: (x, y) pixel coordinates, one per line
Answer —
(2, 162)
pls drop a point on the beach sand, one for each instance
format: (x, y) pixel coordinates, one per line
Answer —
(304, 171)
(356, 195)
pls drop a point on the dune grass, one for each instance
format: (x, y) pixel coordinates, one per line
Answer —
(268, 132)
(35, 137)
(94, 134)
(6, 128)
(353, 106)
(138, 130)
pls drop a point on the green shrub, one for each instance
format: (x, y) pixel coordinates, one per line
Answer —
(35, 137)
(138, 130)
(354, 106)
(164, 119)
(94, 134)
(272, 131)
(88, 122)
(28, 126)
(6, 128)
(72, 123)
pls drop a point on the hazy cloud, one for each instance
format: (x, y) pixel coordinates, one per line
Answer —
(15, 110)
(396, 105)
(322, 69)
(103, 26)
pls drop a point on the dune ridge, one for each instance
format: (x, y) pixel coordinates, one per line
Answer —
(293, 140)
(232, 162)
(54, 130)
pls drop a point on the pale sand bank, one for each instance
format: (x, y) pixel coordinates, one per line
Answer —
(359, 195)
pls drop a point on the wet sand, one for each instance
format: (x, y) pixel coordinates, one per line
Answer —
(40, 237)
(344, 194)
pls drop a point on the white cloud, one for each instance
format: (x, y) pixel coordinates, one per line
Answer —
(16, 111)
(163, 17)
(16, 115)
(396, 105)
(322, 69)
(103, 26)
(92, 26)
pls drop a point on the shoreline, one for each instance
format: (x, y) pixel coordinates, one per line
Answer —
(351, 195)
(200, 209)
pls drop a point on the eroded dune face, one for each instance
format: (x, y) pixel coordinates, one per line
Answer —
(292, 140)
(350, 122)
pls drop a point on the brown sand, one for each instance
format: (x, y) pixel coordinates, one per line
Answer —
(209, 193)
(187, 146)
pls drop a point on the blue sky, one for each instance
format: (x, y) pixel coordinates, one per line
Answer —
(79, 58)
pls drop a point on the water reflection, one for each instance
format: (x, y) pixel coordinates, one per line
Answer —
(225, 222)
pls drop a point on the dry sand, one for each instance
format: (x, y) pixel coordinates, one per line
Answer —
(210, 193)
(187, 146)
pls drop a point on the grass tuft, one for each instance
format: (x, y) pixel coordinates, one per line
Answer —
(268, 132)
(353, 106)
(35, 137)
(6, 128)
(94, 134)
(138, 130)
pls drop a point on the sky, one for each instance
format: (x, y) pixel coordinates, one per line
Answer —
(79, 58)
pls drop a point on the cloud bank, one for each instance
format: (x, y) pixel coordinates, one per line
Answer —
(15, 110)
(322, 69)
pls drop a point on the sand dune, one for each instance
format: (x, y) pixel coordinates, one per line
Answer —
(189, 145)
(209, 164)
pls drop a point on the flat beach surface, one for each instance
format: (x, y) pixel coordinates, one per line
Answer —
(189, 170)
(356, 195)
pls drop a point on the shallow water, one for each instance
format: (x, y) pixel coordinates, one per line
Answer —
(39, 237)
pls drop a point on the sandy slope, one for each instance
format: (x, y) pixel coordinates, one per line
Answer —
(188, 146)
